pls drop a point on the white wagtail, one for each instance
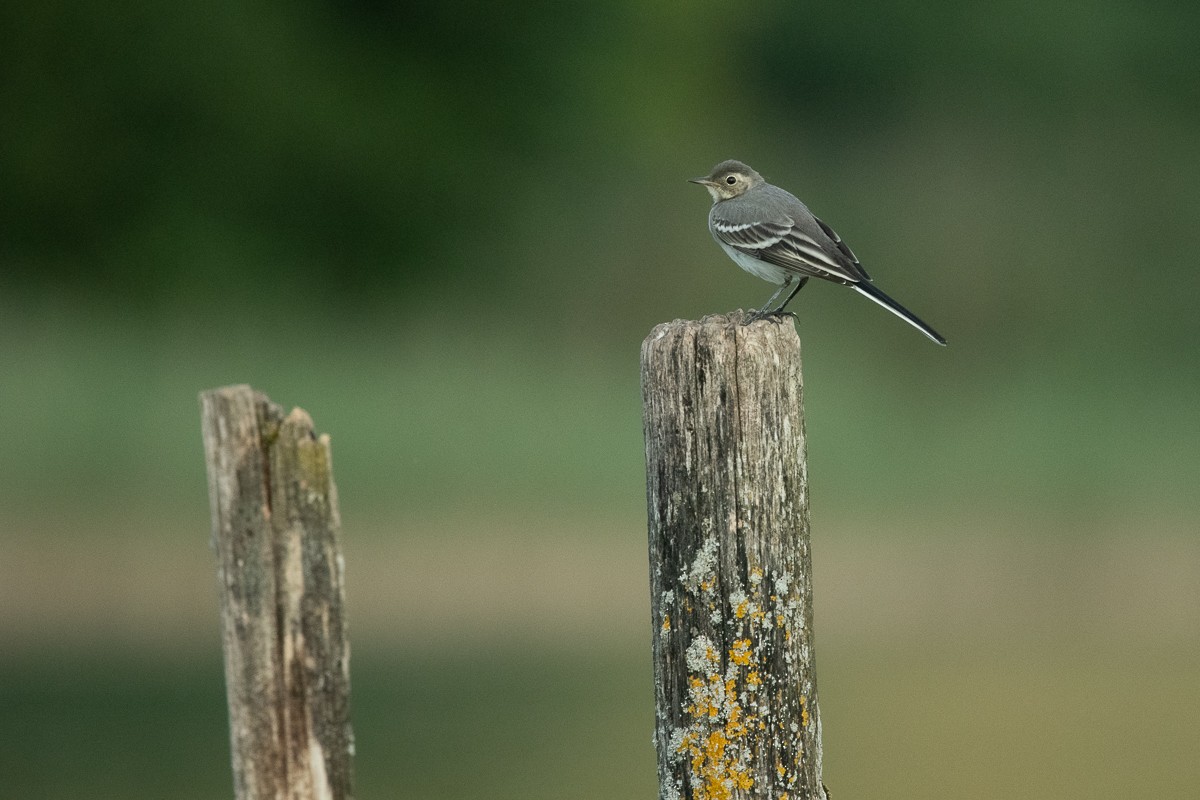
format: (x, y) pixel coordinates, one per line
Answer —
(771, 234)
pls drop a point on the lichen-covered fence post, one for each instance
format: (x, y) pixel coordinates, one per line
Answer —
(730, 573)
(275, 530)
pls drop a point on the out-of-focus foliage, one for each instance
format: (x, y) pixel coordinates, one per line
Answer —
(162, 153)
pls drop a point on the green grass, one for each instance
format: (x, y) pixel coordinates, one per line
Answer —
(1003, 719)
(980, 720)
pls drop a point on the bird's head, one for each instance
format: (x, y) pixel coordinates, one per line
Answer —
(729, 179)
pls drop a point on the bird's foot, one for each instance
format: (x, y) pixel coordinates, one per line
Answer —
(775, 316)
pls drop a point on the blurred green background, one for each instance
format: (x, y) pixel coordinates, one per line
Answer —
(444, 230)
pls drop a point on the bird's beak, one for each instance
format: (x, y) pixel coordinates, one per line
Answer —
(701, 181)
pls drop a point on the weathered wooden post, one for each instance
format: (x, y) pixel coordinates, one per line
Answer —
(275, 530)
(730, 573)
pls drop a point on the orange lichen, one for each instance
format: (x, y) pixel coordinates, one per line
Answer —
(722, 739)
(715, 767)
(717, 744)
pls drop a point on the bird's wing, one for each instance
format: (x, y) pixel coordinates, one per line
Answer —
(842, 246)
(781, 242)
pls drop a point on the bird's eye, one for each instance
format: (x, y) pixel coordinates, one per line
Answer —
(731, 180)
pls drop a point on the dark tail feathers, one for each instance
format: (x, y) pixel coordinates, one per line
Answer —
(867, 288)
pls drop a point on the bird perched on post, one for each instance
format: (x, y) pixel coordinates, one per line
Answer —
(771, 234)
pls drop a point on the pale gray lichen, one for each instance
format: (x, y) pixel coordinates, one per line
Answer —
(699, 654)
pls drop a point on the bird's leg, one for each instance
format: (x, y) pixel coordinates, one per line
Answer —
(764, 312)
(779, 312)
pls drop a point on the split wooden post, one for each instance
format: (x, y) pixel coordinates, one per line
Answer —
(730, 572)
(275, 530)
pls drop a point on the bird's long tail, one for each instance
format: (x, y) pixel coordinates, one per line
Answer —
(868, 289)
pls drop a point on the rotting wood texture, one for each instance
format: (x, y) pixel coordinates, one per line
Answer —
(730, 571)
(275, 531)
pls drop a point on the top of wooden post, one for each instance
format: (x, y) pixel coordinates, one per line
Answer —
(733, 324)
(726, 344)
